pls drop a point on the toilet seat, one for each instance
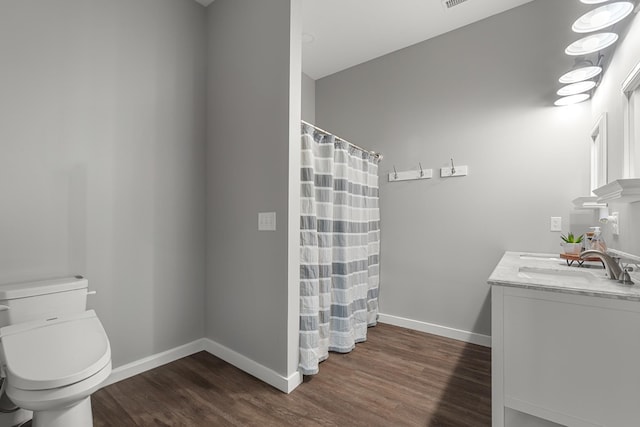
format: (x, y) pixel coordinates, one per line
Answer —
(44, 400)
(56, 352)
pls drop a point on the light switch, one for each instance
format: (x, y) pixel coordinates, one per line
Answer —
(266, 221)
(556, 223)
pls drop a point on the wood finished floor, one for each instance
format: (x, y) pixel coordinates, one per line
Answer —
(399, 377)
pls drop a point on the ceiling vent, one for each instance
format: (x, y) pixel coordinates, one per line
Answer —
(451, 3)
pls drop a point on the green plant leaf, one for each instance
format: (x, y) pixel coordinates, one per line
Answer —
(571, 238)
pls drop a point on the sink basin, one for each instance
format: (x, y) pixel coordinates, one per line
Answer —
(539, 256)
(545, 272)
(551, 274)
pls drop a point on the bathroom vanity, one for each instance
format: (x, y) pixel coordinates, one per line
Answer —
(565, 345)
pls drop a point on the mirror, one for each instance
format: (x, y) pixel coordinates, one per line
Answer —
(599, 153)
(631, 91)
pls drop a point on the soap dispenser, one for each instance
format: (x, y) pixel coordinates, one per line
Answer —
(597, 241)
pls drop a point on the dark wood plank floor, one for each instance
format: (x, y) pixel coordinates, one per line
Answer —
(398, 377)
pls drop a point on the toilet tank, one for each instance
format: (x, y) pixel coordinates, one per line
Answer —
(42, 299)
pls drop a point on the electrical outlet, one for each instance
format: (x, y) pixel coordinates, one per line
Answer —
(615, 224)
(556, 223)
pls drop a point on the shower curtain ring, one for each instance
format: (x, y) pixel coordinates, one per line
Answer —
(421, 170)
(395, 172)
(453, 168)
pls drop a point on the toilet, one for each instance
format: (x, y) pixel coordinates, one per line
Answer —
(53, 352)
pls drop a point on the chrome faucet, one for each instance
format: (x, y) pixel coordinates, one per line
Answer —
(625, 279)
(610, 265)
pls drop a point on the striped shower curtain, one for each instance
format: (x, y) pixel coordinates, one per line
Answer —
(339, 247)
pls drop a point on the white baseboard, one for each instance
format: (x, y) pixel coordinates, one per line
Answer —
(150, 362)
(431, 328)
(282, 383)
(269, 376)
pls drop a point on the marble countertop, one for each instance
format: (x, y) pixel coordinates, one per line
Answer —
(549, 272)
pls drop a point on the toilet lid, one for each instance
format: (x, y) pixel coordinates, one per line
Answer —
(56, 352)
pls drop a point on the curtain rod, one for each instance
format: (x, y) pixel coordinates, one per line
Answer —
(373, 153)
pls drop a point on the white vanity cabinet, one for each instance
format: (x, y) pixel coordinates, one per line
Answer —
(563, 358)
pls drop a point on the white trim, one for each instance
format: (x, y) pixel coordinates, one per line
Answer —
(431, 328)
(497, 356)
(632, 82)
(293, 211)
(599, 153)
(546, 414)
(282, 383)
(150, 362)
(269, 376)
(620, 190)
(631, 135)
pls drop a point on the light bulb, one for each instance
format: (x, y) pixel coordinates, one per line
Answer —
(580, 74)
(573, 99)
(590, 44)
(602, 17)
(576, 88)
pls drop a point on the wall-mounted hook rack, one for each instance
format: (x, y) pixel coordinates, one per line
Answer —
(454, 170)
(459, 171)
(408, 175)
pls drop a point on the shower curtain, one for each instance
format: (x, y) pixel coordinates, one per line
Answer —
(339, 247)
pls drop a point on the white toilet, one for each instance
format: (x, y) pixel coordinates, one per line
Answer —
(54, 353)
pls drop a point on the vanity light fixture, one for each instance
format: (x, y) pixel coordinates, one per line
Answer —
(580, 74)
(576, 88)
(590, 44)
(573, 99)
(602, 17)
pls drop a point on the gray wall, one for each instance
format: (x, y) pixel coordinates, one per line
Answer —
(101, 174)
(308, 99)
(479, 94)
(609, 99)
(248, 157)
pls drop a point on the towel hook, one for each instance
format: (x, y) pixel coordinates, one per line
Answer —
(421, 171)
(395, 172)
(453, 168)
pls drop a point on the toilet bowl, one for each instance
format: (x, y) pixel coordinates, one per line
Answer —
(53, 366)
(56, 355)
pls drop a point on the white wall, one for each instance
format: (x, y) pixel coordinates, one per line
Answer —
(479, 94)
(608, 98)
(250, 119)
(102, 173)
(104, 135)
(102, 163)
(308, 99)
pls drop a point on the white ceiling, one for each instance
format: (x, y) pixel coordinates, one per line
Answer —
(349, 32)
(345, 33)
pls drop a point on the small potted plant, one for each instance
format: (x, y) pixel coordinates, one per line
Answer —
(572, 245)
